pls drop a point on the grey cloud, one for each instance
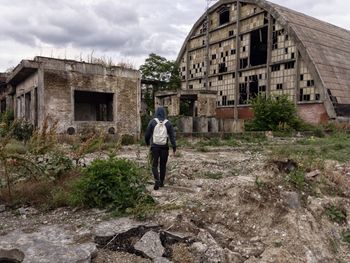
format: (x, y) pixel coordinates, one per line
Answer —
(132, 28)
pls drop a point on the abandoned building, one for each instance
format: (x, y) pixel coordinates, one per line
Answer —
(238, 49)
(79, 96)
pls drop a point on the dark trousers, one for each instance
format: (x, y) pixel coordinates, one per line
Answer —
(159, 157)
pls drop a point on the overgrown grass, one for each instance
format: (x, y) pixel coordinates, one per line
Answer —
(313, 151)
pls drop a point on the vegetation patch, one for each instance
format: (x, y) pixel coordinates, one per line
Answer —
(115, 184)
(346, 236)
(336, 214)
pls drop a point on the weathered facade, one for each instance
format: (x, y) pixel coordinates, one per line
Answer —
(80, 96)
(239, 49)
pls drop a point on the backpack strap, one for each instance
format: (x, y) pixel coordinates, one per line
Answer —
(165, 121)
(156, 119)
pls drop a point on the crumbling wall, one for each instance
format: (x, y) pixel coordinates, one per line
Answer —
(59, 98)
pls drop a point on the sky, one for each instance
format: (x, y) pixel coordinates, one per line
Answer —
(123, 31)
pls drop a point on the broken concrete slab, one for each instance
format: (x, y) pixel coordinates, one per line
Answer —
(116, 234)
(150, 245)
(47, 244)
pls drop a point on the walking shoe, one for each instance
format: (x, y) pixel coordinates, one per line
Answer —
(161, 184)
(156, 187)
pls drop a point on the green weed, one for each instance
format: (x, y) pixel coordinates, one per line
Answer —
(336, 214)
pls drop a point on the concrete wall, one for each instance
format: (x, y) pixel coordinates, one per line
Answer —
(313, 113)
(59, 98)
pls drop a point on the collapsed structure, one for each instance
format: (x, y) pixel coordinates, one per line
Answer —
(79, 96)
(238, 49)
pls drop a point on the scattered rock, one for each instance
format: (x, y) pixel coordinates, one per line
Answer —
(114, 233)
(48, 244)
(291, 199)
(313, 174)
(161, 260)
(209, 251)
(2, 208)
(287, 166)
(150, 245)
(11, 255)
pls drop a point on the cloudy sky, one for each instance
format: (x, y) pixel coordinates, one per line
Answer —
(121, 30)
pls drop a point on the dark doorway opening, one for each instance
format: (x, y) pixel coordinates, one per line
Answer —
(93, 106)
(27, 105)
(188, 106)
(258, 47)
(3, 106)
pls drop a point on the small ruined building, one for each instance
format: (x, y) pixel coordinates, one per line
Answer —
(238, 49)
(81, 97)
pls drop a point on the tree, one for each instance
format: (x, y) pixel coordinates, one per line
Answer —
(163, 72)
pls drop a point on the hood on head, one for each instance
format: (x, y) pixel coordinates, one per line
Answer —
(160, 113)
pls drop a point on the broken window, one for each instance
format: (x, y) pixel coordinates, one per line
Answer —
(279, 86)
(243, 63)
(243, 96)
(224, 16)
(93, 106)
(275, 67)
(289, 65)
(310, 83)
(253, 88)
(258, 47)
(222, 68)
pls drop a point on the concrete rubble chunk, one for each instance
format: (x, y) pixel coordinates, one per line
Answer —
(150, 245)
(2, 208)
(291, 199)
(47, 244)
(161, 260)
(209, 251)
(120, 228)
(313, 174)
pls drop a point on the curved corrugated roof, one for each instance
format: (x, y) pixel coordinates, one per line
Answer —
(324, 47)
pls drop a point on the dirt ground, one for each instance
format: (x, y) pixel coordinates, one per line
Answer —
(233, 193)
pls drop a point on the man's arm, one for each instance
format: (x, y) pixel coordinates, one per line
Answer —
(171, 134)
(149, 132)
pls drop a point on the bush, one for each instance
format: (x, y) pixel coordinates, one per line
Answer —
(271, 114)
(55, 164)
(113, 184)
(22, 130)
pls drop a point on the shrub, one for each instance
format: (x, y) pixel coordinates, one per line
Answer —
(113, 184)
(22, 130)
(274, 114)
(55, 164)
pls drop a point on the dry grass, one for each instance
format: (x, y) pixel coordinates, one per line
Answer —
(45, 193)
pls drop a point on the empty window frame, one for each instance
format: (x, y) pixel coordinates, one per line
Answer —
(275, 68)
(224, 16)
(93, 106)
(258, 47)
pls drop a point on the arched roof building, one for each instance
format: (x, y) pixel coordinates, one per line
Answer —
(238, 49)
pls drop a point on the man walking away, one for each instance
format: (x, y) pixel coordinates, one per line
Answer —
(158, 132)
